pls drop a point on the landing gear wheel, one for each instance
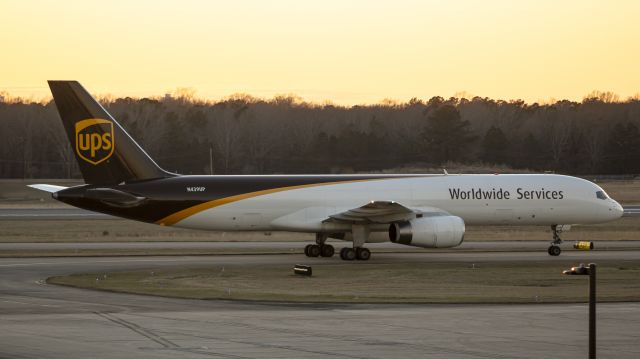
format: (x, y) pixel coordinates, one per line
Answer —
(347, 254)
(312, 250)
(306, 250)
(363, 254)
(554, 251)
(327, 250)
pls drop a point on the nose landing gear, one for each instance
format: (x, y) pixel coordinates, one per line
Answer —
(554, 249)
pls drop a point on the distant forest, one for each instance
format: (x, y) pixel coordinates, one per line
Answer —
(246, 135)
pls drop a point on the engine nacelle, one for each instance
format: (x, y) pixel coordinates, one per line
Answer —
(428, 232)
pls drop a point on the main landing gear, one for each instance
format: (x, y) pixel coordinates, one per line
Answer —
(359, 253)
(554, 248)
(320, 249)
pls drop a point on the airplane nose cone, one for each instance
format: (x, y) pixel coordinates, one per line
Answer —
(616, 211)
(610, 210)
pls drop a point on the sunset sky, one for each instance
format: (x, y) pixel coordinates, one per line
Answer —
(348, 52)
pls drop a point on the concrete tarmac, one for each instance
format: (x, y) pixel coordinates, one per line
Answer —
(47, 321)
(492, 246)
(50, 213)
(631, 210)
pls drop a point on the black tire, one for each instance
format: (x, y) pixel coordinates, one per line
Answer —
(554, 251)
(363, 254)
(327, 250)
(314, 250)
(348, 254)
(306, 250)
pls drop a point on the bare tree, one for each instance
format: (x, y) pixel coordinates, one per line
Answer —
(595, 140)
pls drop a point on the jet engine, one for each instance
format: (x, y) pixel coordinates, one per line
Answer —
(428, 232)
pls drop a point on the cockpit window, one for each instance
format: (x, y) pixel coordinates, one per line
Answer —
(601, 195)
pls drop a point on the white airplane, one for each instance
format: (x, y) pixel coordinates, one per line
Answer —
(428, 211)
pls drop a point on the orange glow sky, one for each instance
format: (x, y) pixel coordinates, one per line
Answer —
(348, 52)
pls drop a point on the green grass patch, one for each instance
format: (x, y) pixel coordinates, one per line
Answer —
(121, 230)
(118, 252)
(493, 282)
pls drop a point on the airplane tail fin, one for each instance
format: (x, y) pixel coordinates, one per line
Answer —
(105, 152)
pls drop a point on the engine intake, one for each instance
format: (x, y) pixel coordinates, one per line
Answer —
(428, 232)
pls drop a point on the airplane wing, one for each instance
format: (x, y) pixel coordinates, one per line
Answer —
(47, 187)
(379, 212)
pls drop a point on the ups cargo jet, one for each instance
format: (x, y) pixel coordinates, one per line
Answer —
(428, 211)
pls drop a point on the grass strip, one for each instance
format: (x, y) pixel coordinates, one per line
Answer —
(359, 282)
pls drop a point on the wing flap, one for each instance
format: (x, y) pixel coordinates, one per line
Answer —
(374, 212)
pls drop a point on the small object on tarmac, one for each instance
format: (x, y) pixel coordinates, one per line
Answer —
(579, 270)
(583, 245)
(300, 269)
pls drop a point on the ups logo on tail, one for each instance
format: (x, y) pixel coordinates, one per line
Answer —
(94, 140)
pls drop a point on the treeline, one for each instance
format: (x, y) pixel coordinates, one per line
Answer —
(599, 135)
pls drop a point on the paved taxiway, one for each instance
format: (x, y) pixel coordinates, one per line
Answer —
(50, 213)
(77, 213)
(632, 211)
(40, 320)
(287, 247)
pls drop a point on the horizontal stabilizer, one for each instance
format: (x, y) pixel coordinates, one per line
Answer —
(47, 187)
(114, 197)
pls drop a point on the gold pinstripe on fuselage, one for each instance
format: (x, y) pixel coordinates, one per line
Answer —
(188, 212)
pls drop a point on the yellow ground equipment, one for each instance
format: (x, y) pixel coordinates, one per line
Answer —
(583, 245)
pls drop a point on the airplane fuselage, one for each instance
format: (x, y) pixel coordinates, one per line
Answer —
(303, 203)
